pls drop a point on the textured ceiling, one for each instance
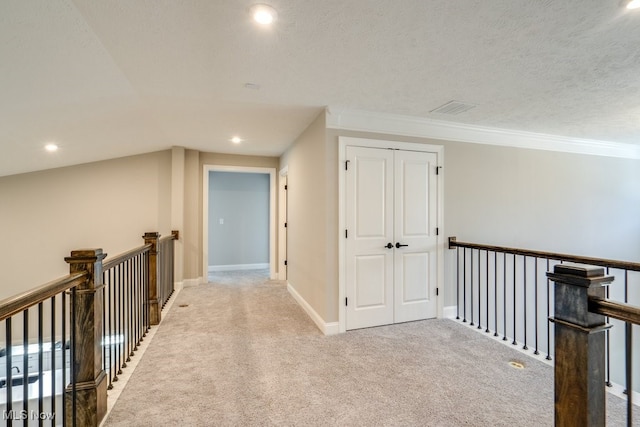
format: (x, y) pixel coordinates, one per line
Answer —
(113, 78)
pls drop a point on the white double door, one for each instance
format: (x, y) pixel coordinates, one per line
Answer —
(391, 246)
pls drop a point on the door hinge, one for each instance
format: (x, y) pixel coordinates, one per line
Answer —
(285, 225)
(346, 301)
(346, 165)
(438, 170)
(437, 291)
(346, 234)
(285, 186)
(437, 230)
(285, 262)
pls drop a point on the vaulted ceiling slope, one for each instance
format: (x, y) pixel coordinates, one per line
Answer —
(106, 79)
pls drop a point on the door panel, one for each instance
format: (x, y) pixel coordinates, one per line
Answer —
(369, 210)
(415, 214)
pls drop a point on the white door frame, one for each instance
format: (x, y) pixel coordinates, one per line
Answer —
(205, 213)
(282, 218)
(343, 142)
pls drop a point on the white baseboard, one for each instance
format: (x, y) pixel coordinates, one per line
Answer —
(192, 282)
(330, 328)
(233, 267)
(178, 286)
(449, 312)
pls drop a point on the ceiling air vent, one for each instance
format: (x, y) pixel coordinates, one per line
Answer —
(453, 108)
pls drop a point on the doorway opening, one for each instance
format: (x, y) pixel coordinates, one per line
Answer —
(239, 220)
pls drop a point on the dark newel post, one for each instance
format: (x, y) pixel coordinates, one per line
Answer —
(155, 306)
(91, 384)
(580, 397)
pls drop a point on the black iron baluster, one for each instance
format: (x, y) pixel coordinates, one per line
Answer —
(464, 284)
(487, 285)
(628, 335)
(548, 315)
(53, 354)
(25, 361)
(121, 309)
(118, 322)
(514, 301)
(479, 293)
(9, 354)
(535, 278)
(105, 338)
(608, 342)
(458, 283)
(524, 347)
(495, 292)
(40, 361)
(63, 349)
(74, 373)
(471, 287)
(504, 295)
(130, 337)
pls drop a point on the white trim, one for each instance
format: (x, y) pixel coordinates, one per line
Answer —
(178, 286)
(192, 282)
(330, 328)
(450, 312)
(393, 124)
(343, 142)
(272, 211)
(233, 267)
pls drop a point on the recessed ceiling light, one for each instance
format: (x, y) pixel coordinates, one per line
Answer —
(51, 147)
(236, 140)
(263, 14)
(633, 4)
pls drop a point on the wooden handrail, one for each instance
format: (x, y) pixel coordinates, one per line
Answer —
(625, 312)
(21, 302)
(623, 265)
(125, 256)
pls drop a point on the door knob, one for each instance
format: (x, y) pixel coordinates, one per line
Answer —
(398, 245)
(389, 245)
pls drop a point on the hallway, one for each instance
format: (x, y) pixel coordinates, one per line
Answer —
(240, 351)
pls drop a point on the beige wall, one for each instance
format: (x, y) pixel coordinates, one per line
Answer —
(559, 202)
(309, 265)
(109, 204)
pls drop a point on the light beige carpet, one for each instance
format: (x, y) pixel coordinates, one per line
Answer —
(240, 351)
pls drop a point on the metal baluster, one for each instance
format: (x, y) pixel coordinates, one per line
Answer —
(514, 301)
(464, 284)
(495, 292)
(74, 373)
(524, 347)
(9, 355)
(471, 287)
(487, 284)
(608, 342)
(536, 352)
(628, 335)
(479, 293)
(53, 354)
(109, 329)
(40, 361)
(504, 295)
(118, 307)
(548, 316)
(134, 303)
(25, 361)
(63, 305)
(458, 283)
(130, 336)
(122, 325)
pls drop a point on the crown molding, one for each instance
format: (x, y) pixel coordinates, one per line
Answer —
(365, 121)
